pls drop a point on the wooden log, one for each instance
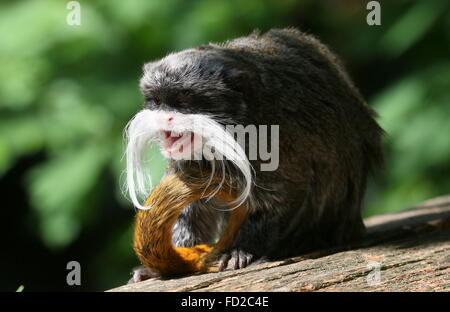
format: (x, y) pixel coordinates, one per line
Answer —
(405, 251)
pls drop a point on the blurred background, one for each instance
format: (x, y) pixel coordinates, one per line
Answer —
(67, 92)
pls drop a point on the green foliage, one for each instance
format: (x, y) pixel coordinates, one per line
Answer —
(418, 143)
(67, 92)
(411, 26)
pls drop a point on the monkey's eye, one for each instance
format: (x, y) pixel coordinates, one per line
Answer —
(152, 101)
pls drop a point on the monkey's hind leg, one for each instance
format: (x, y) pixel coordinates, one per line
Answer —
(257, 235)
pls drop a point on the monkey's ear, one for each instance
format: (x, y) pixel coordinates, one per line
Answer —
(238, 80)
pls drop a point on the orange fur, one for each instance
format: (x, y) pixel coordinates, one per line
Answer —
(153, 227)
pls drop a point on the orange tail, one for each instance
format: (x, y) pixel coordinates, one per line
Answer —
(153, 228)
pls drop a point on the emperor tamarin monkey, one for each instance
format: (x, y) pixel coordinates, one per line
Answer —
(328, 142)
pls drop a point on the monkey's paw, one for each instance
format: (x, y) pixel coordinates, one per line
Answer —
(141, 273)
(239, 259)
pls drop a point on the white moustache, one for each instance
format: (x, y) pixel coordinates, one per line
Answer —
(181, 136)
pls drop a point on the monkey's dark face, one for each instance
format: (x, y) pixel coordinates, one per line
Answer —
(189, 99)
(194, 81)
(181, 85)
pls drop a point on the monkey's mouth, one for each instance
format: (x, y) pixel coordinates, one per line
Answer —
(174, 143)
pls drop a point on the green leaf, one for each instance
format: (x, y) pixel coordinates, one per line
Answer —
(411, 27)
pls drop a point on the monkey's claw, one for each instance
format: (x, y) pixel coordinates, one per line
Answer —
(240, 259)
(140, 274)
